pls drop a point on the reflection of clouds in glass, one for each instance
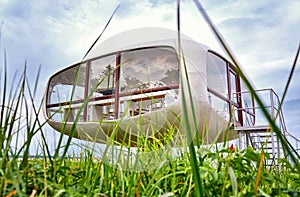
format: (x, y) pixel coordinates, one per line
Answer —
(156, 71)
(149, 64)
(216, 73)
(98, 66)
(63, 93)
(102, 72)
(68, 77)
(62, 85)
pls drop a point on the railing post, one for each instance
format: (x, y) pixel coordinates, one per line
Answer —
(240, 140)
(272, 103)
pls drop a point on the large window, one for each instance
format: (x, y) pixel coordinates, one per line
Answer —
(102, 75)
(149, 68)
(62, 91)
(61, 85)
(151, 76)
(217, 74)
(248, 106)
(127, 83)
(225, 91)
(217, 83)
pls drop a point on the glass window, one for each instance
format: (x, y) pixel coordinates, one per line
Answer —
(62, 85)
(148, 68)
(247, 104)
(102, 75)
(153, 70)
(217, 74)
(219, 105)
(233, 88)
(151, 76)
(65, 88)
(102, 83)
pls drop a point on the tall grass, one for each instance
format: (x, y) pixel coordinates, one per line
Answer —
(224, 171)
(16, 118)
(285, 143)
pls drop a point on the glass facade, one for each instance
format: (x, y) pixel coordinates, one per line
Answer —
(225, 92)
(102, 75)
(217, 74)
(217, 83)
(127, 83)
(148, 68)
(136, 82)
(62, 92)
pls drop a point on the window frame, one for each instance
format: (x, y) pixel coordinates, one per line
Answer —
(116, 95)
(237, 105)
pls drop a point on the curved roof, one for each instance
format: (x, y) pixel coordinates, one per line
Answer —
(143, 37)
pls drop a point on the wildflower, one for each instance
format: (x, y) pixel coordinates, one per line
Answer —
(231, 148)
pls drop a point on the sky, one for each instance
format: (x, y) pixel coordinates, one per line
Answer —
(263, 34)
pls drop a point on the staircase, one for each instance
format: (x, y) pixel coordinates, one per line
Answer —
(259, 135)
(262, 138)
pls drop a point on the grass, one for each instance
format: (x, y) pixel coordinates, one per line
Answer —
(196, 170)
(222, 170)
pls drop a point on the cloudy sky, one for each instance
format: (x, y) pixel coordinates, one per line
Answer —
(263, 34)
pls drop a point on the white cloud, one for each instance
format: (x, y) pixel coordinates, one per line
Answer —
(264, 35)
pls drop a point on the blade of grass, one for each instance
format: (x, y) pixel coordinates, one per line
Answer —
(234, 184)
(284, 95)
(28, 122)
(2, 135)
(289, 79)
(101, 32)
(8, 126)
(192, 156)
(73, 129)
(32, 130)
(259, 172)
(289, 148)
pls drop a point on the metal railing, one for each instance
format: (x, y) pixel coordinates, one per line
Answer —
(253, 117)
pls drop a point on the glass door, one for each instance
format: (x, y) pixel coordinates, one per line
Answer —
(235, 97)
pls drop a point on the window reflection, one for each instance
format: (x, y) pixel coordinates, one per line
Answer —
(148, 80)
(219, 105)
(150, 76)
(217, 74)
(149, 68)
(217, 83)
(66, 87)
(102, 75)
(62, 85)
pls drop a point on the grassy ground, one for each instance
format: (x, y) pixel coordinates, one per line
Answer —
(196, 171)
(223, 173)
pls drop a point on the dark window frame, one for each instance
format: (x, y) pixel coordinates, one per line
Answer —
(230, 69)
(117, 93)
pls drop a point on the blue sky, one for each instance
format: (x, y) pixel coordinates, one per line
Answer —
(264, 35)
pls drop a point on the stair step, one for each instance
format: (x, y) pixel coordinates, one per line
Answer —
(262, 137)
(262, 143)
(268, 147)
(253, 128)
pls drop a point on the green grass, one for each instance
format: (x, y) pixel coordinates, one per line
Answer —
(223, 171)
